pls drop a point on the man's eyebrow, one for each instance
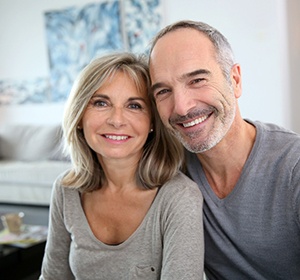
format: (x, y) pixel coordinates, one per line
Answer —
(156, 86)
(183, 77)
(195, 73)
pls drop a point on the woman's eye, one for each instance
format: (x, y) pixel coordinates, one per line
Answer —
(99, 103)
(135, 106)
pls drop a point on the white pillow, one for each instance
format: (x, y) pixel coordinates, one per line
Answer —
(29, 142)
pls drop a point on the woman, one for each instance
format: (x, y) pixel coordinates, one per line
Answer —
(124, 211)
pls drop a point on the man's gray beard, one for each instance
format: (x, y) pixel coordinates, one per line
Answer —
(213, 139)
(196, 147)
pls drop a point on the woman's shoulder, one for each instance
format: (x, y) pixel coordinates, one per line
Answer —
(60, 189)
(182, 180)
(181, 184)
(179, 195)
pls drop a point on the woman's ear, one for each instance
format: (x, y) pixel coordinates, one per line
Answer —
(79, 126)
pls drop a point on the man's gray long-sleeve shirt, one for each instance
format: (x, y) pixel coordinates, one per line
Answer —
(254, 232)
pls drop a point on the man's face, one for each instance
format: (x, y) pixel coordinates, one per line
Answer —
(192, 95)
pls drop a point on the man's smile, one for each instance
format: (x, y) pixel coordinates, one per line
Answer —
(196, 121)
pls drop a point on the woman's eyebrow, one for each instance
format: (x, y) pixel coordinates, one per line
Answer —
(104, 96)
(97, 95)
(136, 98)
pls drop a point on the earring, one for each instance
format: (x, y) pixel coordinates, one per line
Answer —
(78, 127)
(151, 130)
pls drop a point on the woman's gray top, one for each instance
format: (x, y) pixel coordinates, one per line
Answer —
(168, 244)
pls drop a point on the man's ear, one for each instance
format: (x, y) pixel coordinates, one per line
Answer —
(236, 80)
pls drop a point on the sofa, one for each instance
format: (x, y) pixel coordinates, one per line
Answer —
(31, 158)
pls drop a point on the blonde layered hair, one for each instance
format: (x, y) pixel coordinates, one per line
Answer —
(162, 157)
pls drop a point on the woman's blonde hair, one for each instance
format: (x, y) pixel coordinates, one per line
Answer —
(163, 154)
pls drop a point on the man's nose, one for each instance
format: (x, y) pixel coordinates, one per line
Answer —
(116, 117)
(182, 102)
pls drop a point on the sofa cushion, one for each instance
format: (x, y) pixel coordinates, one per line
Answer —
(29, 142)
(35, 173)
(29, 182)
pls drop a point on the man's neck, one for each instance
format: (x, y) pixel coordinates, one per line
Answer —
(224, 163)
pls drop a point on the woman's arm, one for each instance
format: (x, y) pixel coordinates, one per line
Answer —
(56, 258)
(183, 253)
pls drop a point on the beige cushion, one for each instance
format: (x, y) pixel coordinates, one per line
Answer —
(29, 142)
(40, 173)
(29, 182)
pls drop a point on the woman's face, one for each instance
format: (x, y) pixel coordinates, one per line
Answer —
(117, 120)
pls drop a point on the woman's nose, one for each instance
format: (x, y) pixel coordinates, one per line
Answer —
(116, 117)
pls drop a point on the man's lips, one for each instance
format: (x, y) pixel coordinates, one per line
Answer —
(191, 119)
(195, 121)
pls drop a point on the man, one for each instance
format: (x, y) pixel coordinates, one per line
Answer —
(248, 172)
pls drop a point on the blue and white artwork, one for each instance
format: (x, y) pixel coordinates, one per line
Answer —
(142, 21)
(27, 91)
(76, 35)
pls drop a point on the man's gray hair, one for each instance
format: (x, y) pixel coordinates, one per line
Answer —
(224, 53)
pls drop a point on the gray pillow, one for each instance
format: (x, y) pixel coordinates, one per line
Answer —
(29, 142)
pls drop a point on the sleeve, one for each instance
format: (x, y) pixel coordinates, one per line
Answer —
(296, 191)
(183, 251)
(56, 258)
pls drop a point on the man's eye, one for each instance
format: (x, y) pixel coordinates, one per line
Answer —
(161, 92)
(196, 81)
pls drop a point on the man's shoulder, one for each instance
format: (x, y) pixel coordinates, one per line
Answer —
(276, 141)
(273, 130)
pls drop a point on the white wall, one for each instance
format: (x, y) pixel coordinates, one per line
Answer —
(294, 59)
(257, 32)
(23, 54)
(256, 29)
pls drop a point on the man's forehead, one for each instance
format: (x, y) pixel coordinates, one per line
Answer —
(180, 37)
(182, 45)
(183, 64)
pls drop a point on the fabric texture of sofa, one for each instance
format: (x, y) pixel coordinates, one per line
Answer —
(30, 160)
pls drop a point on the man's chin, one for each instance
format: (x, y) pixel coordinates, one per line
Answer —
(197, 149)
(191, 145)
(196, 144)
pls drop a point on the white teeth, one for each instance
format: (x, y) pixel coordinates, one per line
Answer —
(115, 137)
(194, 122)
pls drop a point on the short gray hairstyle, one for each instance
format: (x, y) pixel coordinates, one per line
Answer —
(224, 53)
